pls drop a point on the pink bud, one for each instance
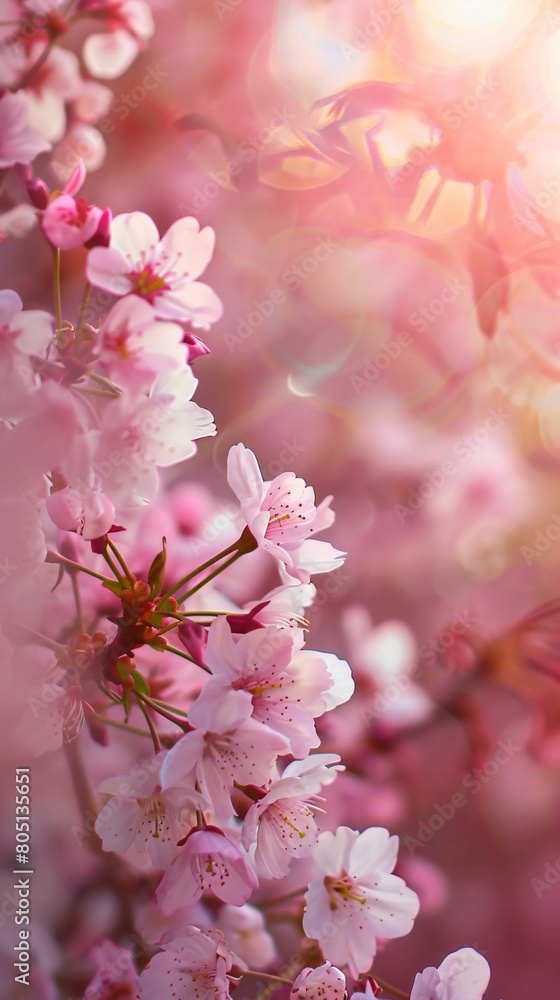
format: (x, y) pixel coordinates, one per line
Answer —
(76, 179)
(102, 235)
(194, 638)
(38, 193)
(196, 348)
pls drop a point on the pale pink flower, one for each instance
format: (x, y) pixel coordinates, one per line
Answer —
(115, 976)
(259, 663)
(92, 102)
(53, 86)
(136, 347)
(89, 140)
(324, 982)
(109, 54)
(463, 975)
(245, 932)
(17, 221)
(283, 822)
(54, 715)
(282, 607)
(208, 862)
(355, 899)
(226, 746)
(18, 142)
(139, 813)
(385, 657)
(68, 223)
(193, 966)
(282, 516)
(138, 435)
(24, 336)
(89, 516)
(162, 271)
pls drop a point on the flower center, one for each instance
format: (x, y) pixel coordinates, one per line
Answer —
(344, 887)
(147, 282)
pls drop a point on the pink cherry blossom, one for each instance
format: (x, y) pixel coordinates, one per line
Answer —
(161, 271)
(18, 142)
(54, 715)
(245, 931)
(282, 823)
(193, 966)
(25, 338)
(115, 976)
(139, 813)
(259, 664)
(325, 982)
(54, 85)
(142, 433)
(355, 899)
(67, 222)
(136, 347)
(109, 54)
(228, 744)
(463, 975)
(89, 516)
(281, 515)
(208, 862)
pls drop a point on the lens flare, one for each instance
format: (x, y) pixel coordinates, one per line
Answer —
(475, 29)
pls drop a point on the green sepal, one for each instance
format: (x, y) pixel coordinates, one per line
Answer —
(114, 586)
(140, 683)
(157, 569)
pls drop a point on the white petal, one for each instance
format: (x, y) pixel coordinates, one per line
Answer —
(110, 54)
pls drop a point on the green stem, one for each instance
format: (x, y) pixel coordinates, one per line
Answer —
(118, 725)
(41, 639)
(229, 562)
(24, 82)
(112, 566)
(160, 711)
(56, 280)
(83, 307)
(122, 561)
(151, 727)
(55, 557)
(110, 694)
(200, 569)
(267, 975)
(206, 614)
(164, 704)
(179, 652)
(78, 602)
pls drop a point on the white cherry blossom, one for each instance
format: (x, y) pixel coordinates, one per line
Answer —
(355, 899)
(282, 516)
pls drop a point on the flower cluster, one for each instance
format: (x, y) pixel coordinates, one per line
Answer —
(147, 626)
